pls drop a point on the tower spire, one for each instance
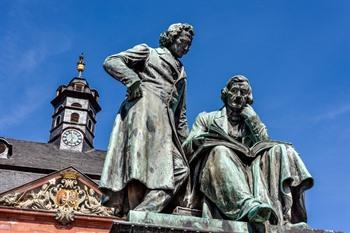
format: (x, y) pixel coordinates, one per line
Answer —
(74, 116)
(80, 65)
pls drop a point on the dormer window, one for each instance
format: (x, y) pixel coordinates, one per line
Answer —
(5, 149)
(2, 148)
(74, 117)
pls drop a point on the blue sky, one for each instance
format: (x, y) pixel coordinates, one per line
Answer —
(295, 53)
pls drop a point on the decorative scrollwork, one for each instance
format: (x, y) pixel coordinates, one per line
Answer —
(64, 215)
(65, 195)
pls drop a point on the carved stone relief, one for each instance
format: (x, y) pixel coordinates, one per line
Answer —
(66, 195)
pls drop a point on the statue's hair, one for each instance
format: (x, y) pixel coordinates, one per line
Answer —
(168, 37)
(236, 79)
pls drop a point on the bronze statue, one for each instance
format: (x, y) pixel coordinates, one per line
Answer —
(145, 164)
(238, 172)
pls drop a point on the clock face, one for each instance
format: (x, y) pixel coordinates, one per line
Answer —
(72, 137)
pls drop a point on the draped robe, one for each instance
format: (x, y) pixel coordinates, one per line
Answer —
(232, 183)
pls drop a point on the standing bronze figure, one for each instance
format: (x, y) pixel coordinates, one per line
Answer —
(145, 165)
(238, 172)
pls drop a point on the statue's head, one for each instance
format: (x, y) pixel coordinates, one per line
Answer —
(237, 92)
(177, 38)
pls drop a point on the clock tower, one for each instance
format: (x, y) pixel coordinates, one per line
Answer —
(74, 116)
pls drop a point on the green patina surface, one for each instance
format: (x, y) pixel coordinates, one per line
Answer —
(205, 224)
(182, 223)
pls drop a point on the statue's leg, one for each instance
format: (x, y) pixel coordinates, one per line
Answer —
(287, 178)
(156, 200)
(226, 181)
(136, 192)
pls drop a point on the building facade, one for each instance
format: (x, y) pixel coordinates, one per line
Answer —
(53, 186)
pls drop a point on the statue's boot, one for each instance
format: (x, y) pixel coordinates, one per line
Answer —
(156, 200)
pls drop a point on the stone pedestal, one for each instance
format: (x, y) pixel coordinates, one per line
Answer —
(154, 222)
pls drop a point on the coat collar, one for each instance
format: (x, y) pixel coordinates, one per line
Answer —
(166, 56)
(221, 120)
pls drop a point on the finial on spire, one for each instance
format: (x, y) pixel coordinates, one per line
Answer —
(80, 65)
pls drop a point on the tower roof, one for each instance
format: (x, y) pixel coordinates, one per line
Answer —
(78, 80)
(78, 87)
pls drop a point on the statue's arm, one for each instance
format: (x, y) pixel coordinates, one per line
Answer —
(256, 126)
(182, 124)
(198, 133)
(123, 66)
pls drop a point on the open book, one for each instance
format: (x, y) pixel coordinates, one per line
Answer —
(217, 137)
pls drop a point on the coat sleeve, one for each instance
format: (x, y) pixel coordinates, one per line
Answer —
(123, 66)
(257, 128)
(181, 117)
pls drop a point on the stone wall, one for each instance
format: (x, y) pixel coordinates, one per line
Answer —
(15, 221)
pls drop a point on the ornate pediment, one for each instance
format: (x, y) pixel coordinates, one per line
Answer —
(67, 193)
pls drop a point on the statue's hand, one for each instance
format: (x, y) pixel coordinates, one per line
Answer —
(248, 112)
(254, 123)
(199, 140)
(135, 91)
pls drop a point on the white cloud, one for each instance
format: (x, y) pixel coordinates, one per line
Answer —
(31, 101)
(24, 46)
(332, 114)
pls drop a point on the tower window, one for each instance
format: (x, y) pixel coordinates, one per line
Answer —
(90, 124)
(59, 108)
(74, 117)
(78, 87)
(91, 112)
(58, 120)
(76, 105)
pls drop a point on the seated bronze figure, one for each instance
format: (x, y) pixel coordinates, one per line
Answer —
(240, 174)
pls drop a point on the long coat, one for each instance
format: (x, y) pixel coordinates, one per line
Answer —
(148, 129)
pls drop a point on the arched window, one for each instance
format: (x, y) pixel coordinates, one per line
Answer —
(3, 147)
(74, 117)
(58, 120)
(76, 105)
(3, 150)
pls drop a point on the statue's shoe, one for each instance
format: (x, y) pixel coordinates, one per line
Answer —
(259, 213)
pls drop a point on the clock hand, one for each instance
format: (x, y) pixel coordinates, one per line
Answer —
(71, 138)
